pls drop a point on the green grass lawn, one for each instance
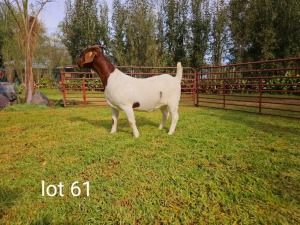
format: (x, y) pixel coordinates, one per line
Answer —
(220, 167)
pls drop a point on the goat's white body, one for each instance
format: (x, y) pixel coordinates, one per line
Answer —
(151, 93)
(127, 93)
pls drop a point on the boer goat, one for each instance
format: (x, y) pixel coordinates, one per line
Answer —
(126, 93)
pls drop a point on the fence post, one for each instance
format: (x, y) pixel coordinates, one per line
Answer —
(260, 93)
(84, 91)
(63, 86)
(224, 93)
(196, 89)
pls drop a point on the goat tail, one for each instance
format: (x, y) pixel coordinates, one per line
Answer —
(179, 71)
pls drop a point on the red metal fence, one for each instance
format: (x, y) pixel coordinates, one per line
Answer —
(266, 87)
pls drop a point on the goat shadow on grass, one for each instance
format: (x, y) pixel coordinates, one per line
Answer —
(122, 122)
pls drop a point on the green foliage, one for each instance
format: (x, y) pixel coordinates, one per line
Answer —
(118, 35)
(80, 27)
(50, 52)
(104, 25)
(176, 30)
(9, 47)
(43, 82)
(19, 89)
(284, 84)
(160, 33)
(219, 32)
(264, 30)
(200, 26)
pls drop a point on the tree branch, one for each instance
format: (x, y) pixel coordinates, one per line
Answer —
(42, 4)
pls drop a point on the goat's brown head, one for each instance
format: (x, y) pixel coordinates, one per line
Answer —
(87, 56)
(93, 58)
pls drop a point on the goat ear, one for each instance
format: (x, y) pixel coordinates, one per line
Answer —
(89, 57)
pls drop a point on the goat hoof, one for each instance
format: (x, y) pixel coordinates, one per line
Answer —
(136, 135)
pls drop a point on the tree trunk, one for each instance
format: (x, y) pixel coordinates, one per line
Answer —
(29, 81)
(10, 75)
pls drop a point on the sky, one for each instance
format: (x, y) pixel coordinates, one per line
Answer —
(53, 14)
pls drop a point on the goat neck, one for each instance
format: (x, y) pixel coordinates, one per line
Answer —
(103, 67)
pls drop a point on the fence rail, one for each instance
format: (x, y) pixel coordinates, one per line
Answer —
(266, 87)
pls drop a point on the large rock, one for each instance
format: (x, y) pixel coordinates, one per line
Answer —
(8, 95)
(40, 99)
(4, 101)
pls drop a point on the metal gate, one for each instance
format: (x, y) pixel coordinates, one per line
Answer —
(267, 87)
(83, 88)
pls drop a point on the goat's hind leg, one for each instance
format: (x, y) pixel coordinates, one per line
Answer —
(165, 114)
(115, 115)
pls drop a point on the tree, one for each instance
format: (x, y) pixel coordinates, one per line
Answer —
(2, 25)
(28, 30)
(219, 31)
(140, 33)
(118, 33)
(262, 30)
(199, 27)
(52, 52)
(160, 34)
(287, 27)
(176, 30)
(105, 31)
(12, 60)
(134, 33)
(239, 30)
(5, 30)
(80, 26)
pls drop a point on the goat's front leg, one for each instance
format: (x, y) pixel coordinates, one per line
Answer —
(130, 116)
(115, 115)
